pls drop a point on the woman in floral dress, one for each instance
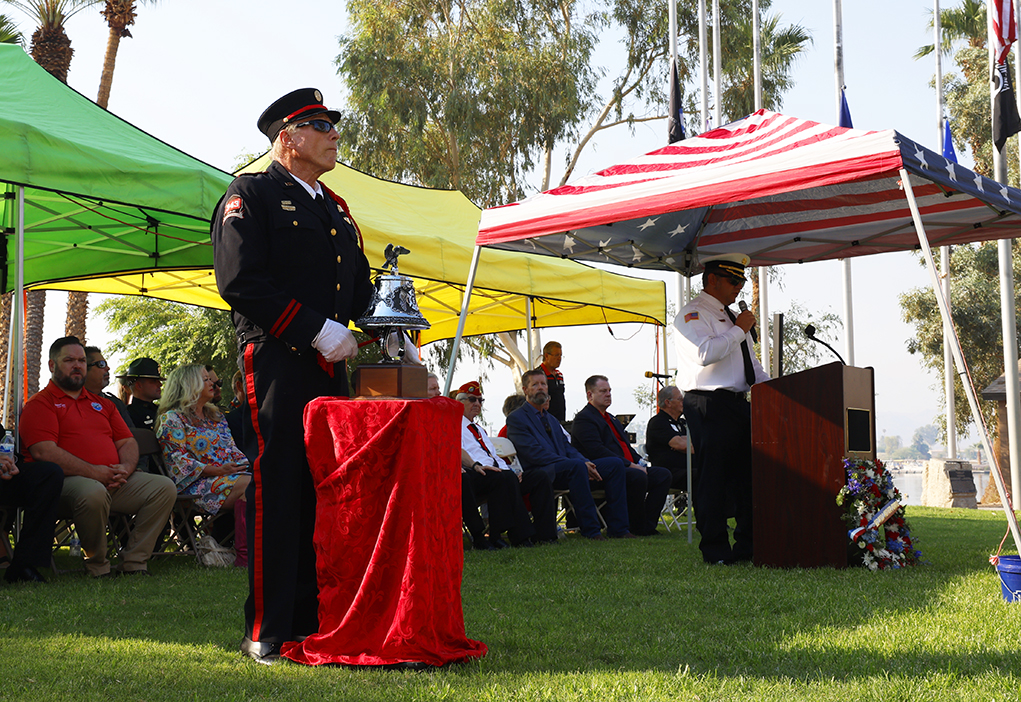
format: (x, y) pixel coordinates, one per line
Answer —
(199, 451)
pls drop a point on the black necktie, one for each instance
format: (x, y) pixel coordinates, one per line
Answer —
(749, 371)
(545, 424)
(321, 201)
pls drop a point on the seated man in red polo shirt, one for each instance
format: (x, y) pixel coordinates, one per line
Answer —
(85, 435)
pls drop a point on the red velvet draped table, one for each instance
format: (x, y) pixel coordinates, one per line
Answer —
(389, 550)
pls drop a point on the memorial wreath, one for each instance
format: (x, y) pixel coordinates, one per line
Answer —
(873, 511)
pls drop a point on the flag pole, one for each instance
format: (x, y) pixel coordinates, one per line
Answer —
(944, 252)
(717, 67)
(703, 68)
(838, 68)
(763, 277)
(1003, 247)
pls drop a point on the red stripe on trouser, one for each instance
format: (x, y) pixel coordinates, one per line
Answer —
(255, 547)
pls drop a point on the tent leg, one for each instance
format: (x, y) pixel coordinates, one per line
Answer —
(465, 302)
(969, 390)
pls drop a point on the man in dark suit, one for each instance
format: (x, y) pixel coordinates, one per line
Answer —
(542, 445)
(599, 434)
(289, 263)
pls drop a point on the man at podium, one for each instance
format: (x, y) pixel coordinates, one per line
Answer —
(716, 369)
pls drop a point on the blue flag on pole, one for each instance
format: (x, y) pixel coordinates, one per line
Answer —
(845, 112)
(948, 143)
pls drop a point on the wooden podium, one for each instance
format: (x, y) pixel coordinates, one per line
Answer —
(803, 426)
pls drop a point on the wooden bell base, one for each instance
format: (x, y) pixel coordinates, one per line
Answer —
(390, 380)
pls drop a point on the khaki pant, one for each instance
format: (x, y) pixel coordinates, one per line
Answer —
(88, 503)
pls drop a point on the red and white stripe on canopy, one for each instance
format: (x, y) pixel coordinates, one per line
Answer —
(781, 189)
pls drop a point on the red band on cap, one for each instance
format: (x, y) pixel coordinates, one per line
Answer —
(305, 108)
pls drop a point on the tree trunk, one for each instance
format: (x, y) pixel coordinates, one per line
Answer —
(35, 307)
(77, 314)
(113, 42)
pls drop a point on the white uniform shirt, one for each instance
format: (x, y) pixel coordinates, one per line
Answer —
(709, 348)
(471, 445)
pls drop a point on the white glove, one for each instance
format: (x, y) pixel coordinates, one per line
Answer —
(335, 342)
(410, 351)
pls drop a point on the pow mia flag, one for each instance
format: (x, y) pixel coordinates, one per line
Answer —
(1006, 121)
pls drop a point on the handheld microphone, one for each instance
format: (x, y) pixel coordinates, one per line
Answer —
(650, 374)
(810, 333)
(743, 306)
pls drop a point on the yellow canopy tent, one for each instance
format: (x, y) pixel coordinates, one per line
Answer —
(439, 227)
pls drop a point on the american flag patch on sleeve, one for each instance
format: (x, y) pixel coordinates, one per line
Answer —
(690, 316)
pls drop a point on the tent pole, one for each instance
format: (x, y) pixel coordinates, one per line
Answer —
(969, 390)
(529, 332)
(764, 316)
(17, 312)
(465, 303)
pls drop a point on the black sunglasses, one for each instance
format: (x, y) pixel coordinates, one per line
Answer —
(320, 125)
(100, 364)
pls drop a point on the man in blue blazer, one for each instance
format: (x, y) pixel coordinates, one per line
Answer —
(542, 445)
(599, 434)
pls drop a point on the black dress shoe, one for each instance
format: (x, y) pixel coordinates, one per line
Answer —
(525, 543)
(482, 544)
(498, 543)
(135, 572)
(27, 574)
(262, 652)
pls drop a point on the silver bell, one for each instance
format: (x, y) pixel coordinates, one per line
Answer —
(393, 307)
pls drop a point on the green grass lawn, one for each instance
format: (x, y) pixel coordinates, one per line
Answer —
(637, 620)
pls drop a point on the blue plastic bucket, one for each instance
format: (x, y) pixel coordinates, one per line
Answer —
(1009, 569)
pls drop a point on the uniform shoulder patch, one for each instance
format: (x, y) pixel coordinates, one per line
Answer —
(234, 207)
(690, 316)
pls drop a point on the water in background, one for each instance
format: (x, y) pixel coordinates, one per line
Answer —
(907, 476)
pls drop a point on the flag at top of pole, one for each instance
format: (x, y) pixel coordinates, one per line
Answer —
(949, 153)
(1004, 26)
(675, 123)
(845, 112)
(1006, 121)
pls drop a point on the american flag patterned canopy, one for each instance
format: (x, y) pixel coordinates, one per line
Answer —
(780, 189)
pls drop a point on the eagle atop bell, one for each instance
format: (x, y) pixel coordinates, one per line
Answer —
(393, 306)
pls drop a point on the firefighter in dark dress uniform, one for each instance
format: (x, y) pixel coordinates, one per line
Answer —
(290, 265)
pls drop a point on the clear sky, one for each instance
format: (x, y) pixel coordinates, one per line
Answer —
(198, 74)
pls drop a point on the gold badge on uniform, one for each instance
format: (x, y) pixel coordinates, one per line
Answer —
(319, 96)
(287, 206)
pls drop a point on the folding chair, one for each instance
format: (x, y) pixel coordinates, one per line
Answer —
(675, 499)
(187, 524)
(9, 521)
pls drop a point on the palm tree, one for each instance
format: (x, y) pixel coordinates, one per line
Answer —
(967, 21)
(119, 15)
(9, 33)
(51, 47)
(781, 47)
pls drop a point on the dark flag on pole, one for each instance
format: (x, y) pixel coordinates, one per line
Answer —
(675, 123)
(845, 112)
(1006, 121)
(948, 143)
